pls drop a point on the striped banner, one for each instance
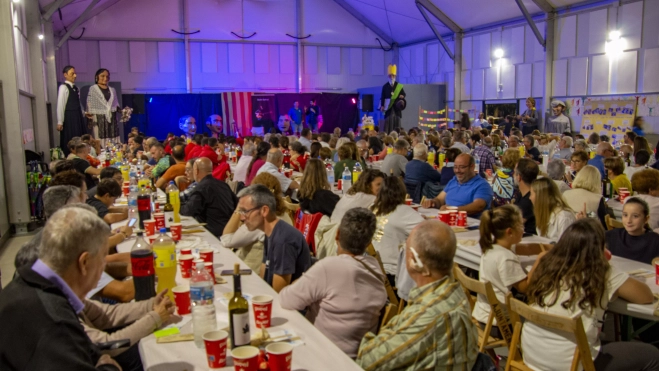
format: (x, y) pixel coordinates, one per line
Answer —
(237, 113)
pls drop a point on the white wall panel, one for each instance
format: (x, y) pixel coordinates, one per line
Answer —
(477, 84)
(208, 57)
(517, 47)
(137, 54)
(432, 63)
(650, 25)
(78, 55)
(108, 54)
(534, 51)
(524, 78)
(496, 42)
(597, 31)
(560, 78)
(491, 84)
(377, 62)
(566, 36)
(311, 60)
(626, 73)
(261, 58)
(482, 51)
(236, 58)
(287, 58)
(466, 53)
(651, 71)
(538, 84)
(356, 61)
(273, 53)
(599, 76)
(508, 81)
(630, 25)
(167, 57)
(333, 61)
(578, 81)
(405, 63)
(418, 61)
(223, 58)
(466, 85)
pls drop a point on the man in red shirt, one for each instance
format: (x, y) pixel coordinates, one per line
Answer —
(196, 141)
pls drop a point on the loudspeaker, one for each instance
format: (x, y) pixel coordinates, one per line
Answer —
(138, 104)
(367, 102)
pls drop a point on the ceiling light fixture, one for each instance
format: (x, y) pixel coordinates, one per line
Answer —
(40, 37)
(498, 53)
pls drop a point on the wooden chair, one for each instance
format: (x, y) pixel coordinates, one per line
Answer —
(486, 343)
(532, 248)
(391, 309)
(612, 223)
(291, 208)
(569, 325)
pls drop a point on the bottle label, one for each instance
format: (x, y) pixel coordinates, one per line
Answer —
(165, 258)
(202, 294)
(241, 335)
(144, 203)
(143, 266)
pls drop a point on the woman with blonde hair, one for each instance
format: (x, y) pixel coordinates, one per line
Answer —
(587, 190)
(551, 211)
(249, 245)
(315, 192)
(503, 184)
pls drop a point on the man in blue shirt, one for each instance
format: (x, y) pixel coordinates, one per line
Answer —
(296, 117)
(604, 151)
(466, 190)
(419, 170)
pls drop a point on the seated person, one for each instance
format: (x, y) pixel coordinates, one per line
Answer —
(468, 191)
(109, 172)
(344, 293)
(298, 160)
(503, 185)
(103, 201)
(646, 186)
(435, 330)
(82, 166)
(162, 161)
(635, 241)
(531, 151)
(286, 254)
(615, 169)
(361, 194)
(394, 163)
(40, 308)
(447, 172)
(274, 161)
(315, 192)
(345, 161)
(178, 153)
(420, 171)
(641, 159)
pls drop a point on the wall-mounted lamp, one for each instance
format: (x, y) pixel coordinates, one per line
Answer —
(40, 37)
(498, 53)
(615, 45)
(17, 1)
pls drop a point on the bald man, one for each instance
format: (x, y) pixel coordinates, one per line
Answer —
(212, 201)
(604, 151)
(273, 162)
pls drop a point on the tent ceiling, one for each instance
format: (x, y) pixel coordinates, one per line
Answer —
(400, 19)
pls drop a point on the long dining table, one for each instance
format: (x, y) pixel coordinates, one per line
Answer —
(312, 351)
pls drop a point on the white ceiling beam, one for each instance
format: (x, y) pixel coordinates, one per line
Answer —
(51, 8)
(434, 30)
(441, 16)
(96, 11)
(531, 23)
(544, 5)
(370, 25)
(77, 23)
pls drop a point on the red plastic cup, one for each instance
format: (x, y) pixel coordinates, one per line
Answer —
(209, 268)
(408, 201)
(445, 217)
(288, 173)
(185, 262)
(453, 213)
(176, 229)
(262, 307)
(160, 220)
(462, 219)
(186, 251)
(216, 348)
(150, 227)
(245, 358)
(280, 356)
(206, 255)
(126, 190)
(339, 184)
(182, 299)
(156, 207)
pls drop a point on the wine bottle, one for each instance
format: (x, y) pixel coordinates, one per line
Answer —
(238, 313)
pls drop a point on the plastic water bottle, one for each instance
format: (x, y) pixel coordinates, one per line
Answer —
(202, 295)
(346, 179)
(356, 172)
(478, 163)
(132, 196)
(330, 173)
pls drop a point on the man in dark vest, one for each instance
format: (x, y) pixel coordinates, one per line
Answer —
(392, 101)
(70, 121)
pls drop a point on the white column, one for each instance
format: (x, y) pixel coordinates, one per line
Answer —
(550, 31)
(457, 70)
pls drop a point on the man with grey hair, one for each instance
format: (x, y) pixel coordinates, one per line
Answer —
(57, 196)
(580, 145)
(435, 330)
(240, 173)
(273, 162)
(459, 140)
(421, 172)
(147, 148)
(604, 151)
(285, 253)
(565, 148)
(211, 201)
(40, 307)
(513, 141)
(362, 149)
(395, 162)
(344, 292)
(556, 172)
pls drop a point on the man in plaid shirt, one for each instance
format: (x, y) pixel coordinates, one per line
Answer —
(434, 331)
(484, 153)
(187, 178)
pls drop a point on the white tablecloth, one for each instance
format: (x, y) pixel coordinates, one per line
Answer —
(616, 206)
(317, 353)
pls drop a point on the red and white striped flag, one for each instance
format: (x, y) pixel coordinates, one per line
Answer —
(237, 107)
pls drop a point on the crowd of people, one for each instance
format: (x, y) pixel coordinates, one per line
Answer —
(497, 175)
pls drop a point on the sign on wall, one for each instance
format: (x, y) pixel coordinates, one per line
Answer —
(608, 117)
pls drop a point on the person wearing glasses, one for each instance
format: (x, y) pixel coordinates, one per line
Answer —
(604, 151)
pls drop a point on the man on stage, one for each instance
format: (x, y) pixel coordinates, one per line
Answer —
(392, 101)
(70, 122)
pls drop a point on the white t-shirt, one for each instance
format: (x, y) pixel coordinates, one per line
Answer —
(558, 223)
(630, 170)
(391, 232)
(348, 202)
(546, 349)
(272, 169)
(502, 268)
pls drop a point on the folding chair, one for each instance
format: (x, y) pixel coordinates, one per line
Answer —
(307, 224)
(612, 223)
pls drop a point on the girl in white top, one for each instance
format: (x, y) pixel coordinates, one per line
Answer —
(501, 228)
(574, 278)
(552, 213)
(361, 194)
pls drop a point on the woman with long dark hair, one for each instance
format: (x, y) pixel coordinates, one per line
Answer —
(102, 104)
(361, 194)
(257, 161)
(315, 192)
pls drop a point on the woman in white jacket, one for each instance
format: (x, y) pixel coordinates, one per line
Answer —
(102, 104)
(552, 213)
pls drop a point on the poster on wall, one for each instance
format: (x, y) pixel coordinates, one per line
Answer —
(263, 113)
(608, 117)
